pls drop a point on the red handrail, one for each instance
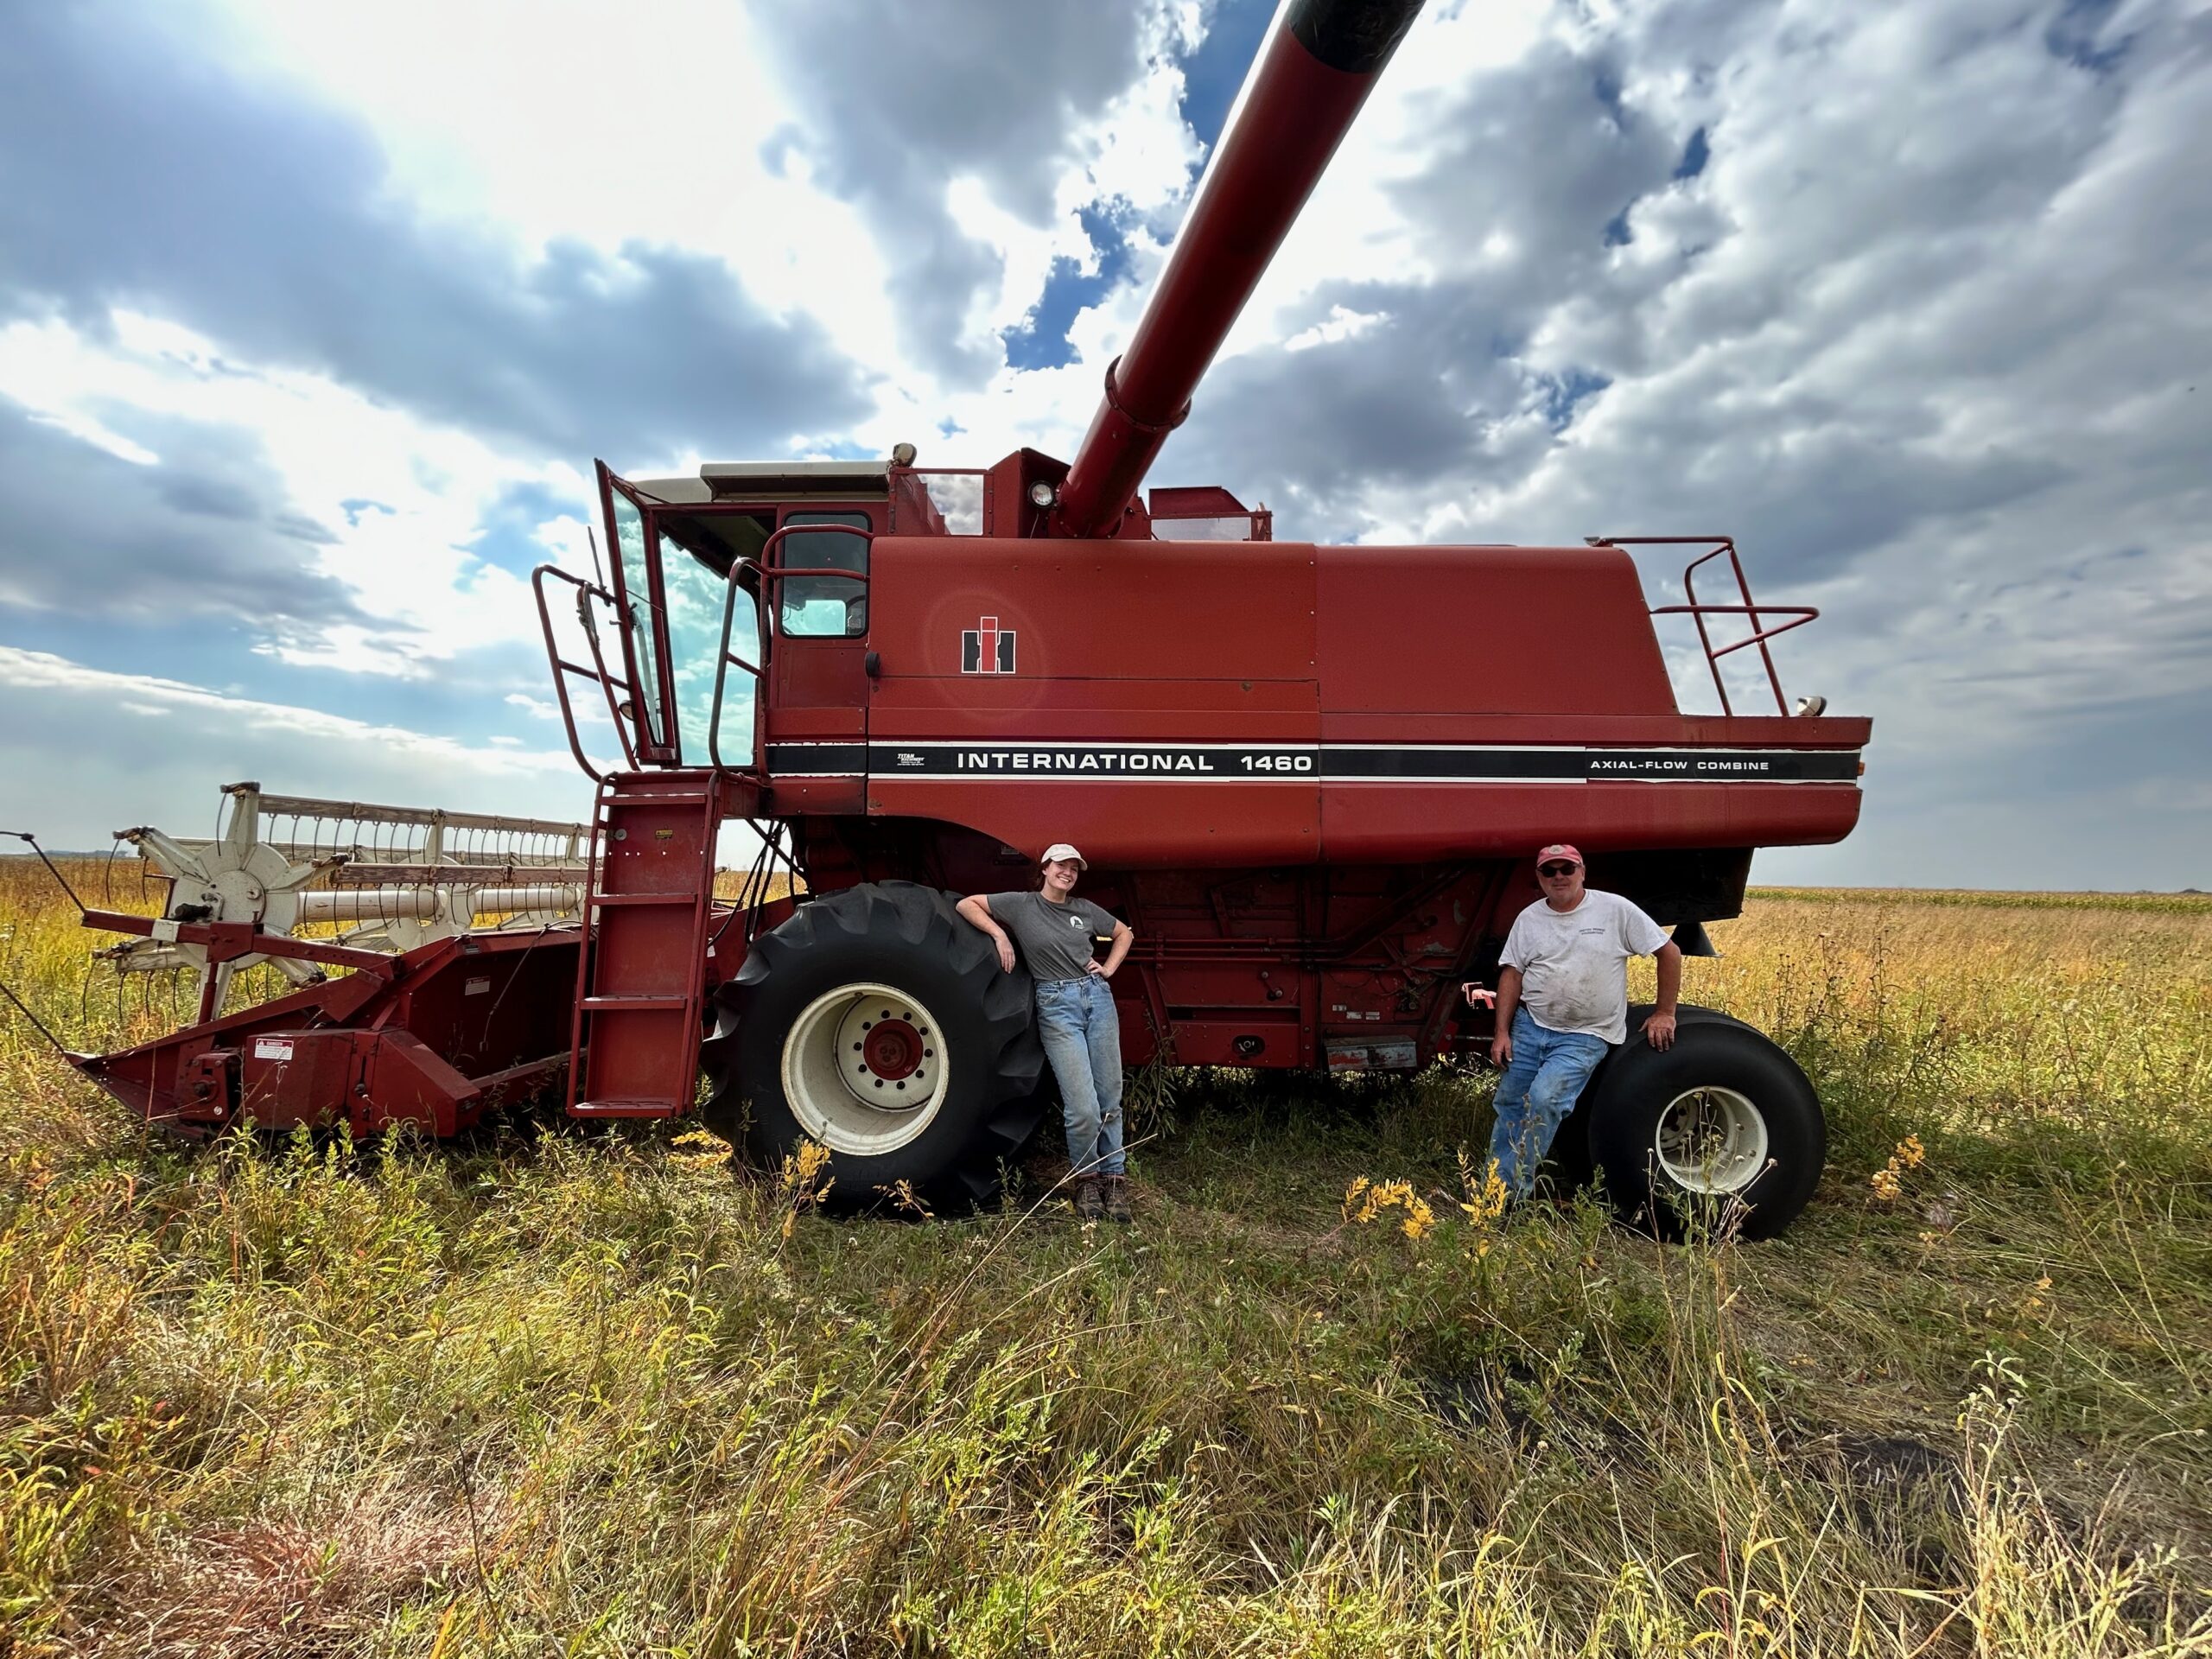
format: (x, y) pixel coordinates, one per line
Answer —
(563, 667)
(724, 662)
(1698, 610)
(770, 572)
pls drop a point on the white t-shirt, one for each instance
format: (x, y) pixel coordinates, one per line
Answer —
(1574, 963)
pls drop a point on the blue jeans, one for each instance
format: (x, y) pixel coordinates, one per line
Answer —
(1539, 1090)
(1082, 1040)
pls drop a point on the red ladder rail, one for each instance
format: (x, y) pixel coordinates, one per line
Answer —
(648, 915)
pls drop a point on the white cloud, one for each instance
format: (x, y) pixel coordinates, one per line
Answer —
(396, 503)
(167, 769)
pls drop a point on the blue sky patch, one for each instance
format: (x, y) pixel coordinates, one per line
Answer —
(2073, 36)
(508, 528)
(1695, 154)
(1213, 72)
(1041, 341)
(1565, 394)
(1606, 87)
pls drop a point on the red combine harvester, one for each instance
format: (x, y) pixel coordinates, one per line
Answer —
(910, 681)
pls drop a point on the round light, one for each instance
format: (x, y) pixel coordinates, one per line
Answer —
(902, 454)
(1042, 494)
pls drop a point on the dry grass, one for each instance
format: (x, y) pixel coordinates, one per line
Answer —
(595, 1394)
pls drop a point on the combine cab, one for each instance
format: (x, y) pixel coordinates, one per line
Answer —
(1309, 777)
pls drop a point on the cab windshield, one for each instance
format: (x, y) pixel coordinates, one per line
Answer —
(697, 554)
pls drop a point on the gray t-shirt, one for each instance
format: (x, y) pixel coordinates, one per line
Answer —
(1575, 964)
(1054, 939)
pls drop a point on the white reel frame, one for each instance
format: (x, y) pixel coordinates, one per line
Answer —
(418, 876)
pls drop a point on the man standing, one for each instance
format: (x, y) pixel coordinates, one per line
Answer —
(1562, 1000)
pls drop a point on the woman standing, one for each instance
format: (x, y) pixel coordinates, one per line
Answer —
(1075, 1015)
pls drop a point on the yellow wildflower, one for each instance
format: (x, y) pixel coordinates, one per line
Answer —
(1888, 1182)
(701, 1150)
(1366, 1200)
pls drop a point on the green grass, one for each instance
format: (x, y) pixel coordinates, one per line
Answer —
(596, 1393)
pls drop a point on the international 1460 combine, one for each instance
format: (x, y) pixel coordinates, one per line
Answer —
(1310, 778)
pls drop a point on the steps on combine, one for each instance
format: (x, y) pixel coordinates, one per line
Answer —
(634, 1046)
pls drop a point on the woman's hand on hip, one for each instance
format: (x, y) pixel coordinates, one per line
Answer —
(1095, 966)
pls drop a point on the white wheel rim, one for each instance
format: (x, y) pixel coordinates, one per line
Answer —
(1712, 1141)
(865, 1068)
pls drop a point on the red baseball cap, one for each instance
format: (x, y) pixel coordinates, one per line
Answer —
(1558, 850)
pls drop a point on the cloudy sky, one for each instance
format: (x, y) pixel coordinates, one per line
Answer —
(312, 319)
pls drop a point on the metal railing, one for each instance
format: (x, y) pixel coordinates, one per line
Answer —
(587, 592)
(725, 660)
(1697, 610)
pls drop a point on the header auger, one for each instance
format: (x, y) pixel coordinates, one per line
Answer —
(1310, 777)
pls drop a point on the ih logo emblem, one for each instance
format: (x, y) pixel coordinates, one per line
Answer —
(986, 650)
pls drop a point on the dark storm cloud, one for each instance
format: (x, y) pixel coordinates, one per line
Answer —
(199, 533)
(1717, 240)
(1530, 163)
(132, 175)
(899, 99)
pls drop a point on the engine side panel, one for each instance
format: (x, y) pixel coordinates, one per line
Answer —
(1209, 705)
(1486, 630)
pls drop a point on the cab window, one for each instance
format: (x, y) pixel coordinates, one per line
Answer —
(697, 554)
(823, 608)
(629, 527)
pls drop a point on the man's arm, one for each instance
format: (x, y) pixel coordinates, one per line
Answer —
(1659, 1029)
(1124, 937)
(976, 910)
(1508, 999)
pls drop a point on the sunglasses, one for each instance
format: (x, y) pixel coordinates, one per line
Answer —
(1557, 869)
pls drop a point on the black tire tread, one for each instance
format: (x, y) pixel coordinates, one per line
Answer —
(1620, 1102)
(889, 929)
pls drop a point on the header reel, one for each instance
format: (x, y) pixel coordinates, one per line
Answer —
(362, 876)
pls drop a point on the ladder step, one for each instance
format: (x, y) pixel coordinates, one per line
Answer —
(624, 1065)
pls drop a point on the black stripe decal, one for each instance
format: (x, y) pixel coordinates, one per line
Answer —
(1350, 763)
(1346, 762)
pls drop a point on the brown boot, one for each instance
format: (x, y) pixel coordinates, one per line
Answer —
(1117, 1198)
(1088, 1206)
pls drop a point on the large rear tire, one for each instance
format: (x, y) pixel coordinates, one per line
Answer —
(1722, 1127)
(876, 1022)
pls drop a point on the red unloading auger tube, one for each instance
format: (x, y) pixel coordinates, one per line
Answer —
(1300, 101)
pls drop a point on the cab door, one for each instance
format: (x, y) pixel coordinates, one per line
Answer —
(634, 549)
(818, 663)
(680, 569)
(819, 587)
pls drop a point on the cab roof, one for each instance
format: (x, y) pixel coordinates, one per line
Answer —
(731, 480)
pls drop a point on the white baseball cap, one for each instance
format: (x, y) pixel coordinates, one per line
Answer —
(1061, 849)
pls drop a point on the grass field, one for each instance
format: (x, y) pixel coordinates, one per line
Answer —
(559, 1393)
